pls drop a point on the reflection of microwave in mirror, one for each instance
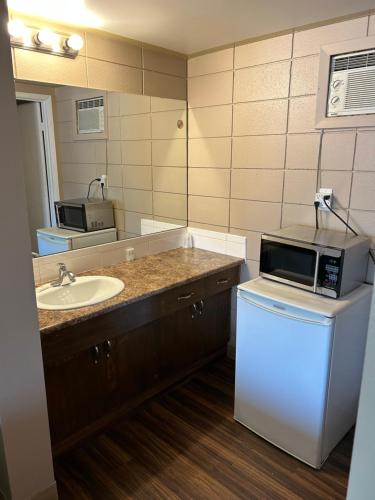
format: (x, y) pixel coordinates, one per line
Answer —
(84, 214)
(74, 135)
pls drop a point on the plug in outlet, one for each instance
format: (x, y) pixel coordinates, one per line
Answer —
(104, 180)
(320, 196)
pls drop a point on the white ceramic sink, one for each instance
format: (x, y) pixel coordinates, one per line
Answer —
(85, 291)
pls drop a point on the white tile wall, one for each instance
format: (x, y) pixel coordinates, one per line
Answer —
(264, 51)
(210, 90)
(145, 158)
(266, 144)
(309, 41)
(260, 118)
(214, 241)
(214, 152)
(215, 62)
(269, 81)
(215, 121)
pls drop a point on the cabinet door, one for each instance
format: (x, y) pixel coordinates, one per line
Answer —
(214, 324)
(179, 342)
(76, 393)
(132, 365)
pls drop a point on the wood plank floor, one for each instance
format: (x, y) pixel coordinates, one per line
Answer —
(185, 444)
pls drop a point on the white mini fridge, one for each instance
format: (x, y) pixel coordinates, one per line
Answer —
(299, 359)
(53, 240)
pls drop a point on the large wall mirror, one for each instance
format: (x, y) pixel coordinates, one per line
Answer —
(100, 166)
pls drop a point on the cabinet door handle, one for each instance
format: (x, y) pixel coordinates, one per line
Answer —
(195, 311)
(186, 297)
(107, 348)
(222, 281)
(95, 354)
(200, 307)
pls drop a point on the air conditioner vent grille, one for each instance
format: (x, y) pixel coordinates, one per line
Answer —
(360, 90)
(90, 103)
(358, 60)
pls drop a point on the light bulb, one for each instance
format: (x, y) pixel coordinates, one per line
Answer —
(16, 28)
(74, 42)
(45, 37)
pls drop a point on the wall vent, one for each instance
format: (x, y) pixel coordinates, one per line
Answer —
(352, 84)
(90, 115)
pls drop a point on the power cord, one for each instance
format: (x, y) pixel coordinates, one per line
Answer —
(98, 179)
(327, 197)
(316, 205)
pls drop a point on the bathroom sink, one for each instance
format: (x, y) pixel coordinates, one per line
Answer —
(85, 291)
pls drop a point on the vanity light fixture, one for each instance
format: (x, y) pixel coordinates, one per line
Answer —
(45, 37)
(16, 28)
(44, 40)
(74, 42)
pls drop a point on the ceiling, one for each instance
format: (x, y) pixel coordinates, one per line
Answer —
(190, 26)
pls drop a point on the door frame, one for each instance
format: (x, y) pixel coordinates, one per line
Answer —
(47, 124)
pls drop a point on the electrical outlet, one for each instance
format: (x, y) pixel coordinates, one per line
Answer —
(320, 195)
(129, 254)
(104, 180)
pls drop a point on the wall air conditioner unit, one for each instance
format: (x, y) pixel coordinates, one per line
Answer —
(90, 116)
(346, 90)
(352, 84)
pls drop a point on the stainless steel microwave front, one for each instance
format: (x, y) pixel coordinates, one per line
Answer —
(327, 262)
(280, 271)
(319, 275)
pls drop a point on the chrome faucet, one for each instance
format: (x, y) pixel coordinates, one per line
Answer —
(65, 277)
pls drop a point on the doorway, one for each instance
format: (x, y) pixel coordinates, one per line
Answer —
(37, 142)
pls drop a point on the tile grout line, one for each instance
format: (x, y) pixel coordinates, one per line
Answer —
(352, 178)
(143, 71)
(287, 129)
(240, 68)
(255, 101)
(187, 146)
(231, 142)
(152, 164)
(319, 165)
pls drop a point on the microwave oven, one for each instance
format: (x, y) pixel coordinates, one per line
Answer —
(84, 215)
(322, 261)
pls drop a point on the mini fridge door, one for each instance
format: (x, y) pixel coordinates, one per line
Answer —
(49, 244)
(282, 373)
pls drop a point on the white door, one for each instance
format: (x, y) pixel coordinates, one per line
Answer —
(34, 165)
(282, 372)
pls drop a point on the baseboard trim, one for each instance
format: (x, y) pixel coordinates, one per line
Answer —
(49, 493)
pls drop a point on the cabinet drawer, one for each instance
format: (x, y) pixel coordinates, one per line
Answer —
(183, 296)
(222, 281)
(186, 295)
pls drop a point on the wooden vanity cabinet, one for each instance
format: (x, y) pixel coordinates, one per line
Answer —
(99, 369)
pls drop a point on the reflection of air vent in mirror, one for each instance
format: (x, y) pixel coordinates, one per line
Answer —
(90, 115)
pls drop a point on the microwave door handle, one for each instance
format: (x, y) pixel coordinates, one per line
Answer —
(58, 215)
(316, 271)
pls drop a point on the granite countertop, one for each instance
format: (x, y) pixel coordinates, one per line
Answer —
(142, 277)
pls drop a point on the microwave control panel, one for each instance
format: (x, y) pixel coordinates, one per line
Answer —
(329, 271)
